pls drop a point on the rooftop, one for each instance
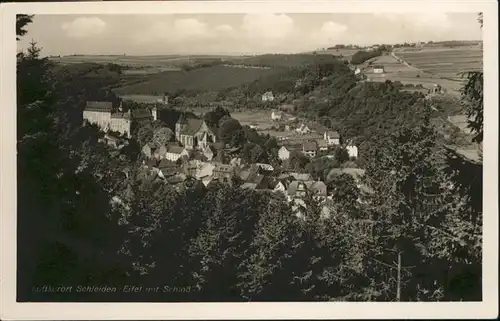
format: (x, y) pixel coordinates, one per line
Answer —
(310, 145)
(102, 106)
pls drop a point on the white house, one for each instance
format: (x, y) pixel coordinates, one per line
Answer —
(268, 96)
(254, 126)
(175, 152)
(265, 167)
(279, 187)
(332, 138)
(283, 153)
(378, 69)
(276, 115)
(303, 129)
(352, 151)
(357, 71)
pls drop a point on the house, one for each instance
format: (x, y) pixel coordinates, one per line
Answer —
(254, 126)
(268, 96)
(299, 189)
(310, 148)
(148, 150)
(280, 184)
(283, 153)
(301, 176)
(167, 168)
(357, 71)
(194, 133)
(303, 129)
(208, 153)
(378, 69)
(276, 115)
(174, 152)
(265, 167)
(352, 151)
(322, 145)
(332, 138)
(236, 161)
(223, 172)
(296, 189)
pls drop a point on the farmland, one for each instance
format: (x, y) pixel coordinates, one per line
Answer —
(445, 62)
(427, 66)
(202, 79)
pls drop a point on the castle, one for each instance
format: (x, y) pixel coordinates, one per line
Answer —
(105, 117)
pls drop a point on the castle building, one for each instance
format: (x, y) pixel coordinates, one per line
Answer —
(105, 117)
(194, 133)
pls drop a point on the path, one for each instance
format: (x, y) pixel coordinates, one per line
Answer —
(404, 62)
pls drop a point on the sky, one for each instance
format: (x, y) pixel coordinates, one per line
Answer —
(239, 33)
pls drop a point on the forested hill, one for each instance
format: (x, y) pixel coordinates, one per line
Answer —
(328, 92)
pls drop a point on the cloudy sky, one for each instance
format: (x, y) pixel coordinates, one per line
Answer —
(239, 33)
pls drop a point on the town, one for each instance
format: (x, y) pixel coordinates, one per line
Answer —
(194, 151)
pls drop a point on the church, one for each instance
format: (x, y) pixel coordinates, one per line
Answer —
(194, 133)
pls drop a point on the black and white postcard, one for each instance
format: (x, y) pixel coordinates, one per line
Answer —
(234, 159)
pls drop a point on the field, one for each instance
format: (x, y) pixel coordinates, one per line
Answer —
(139, 61)
(203, 79)
(444, 65)
(427, 66)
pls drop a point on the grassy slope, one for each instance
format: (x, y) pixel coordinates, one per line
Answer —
(203, 79)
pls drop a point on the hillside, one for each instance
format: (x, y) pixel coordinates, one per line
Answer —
(203, 79)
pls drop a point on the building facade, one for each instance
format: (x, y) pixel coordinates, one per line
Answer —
(332, 138)
(194, 133)
(283, 153)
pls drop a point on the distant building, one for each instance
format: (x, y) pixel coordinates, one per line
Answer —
(299, 189)
(265, 167)
(303, 129)
(208, 153)
(194, 133)
(322, 145)
(107, 119)
(276, 115)
(223, 172)
(310, 148)
(357, 71)
(332, 138)
(352, 151)
(167, 169)
(283, 153)
(378, 69)
(254, 126)
(268, 96)
(174, 152)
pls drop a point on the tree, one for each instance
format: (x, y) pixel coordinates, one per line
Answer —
(341, 154)
(298, 161)
(472, 95)
(276, 266)
(214, 116)
(162, 136)
(22, 20)
(231, 132)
